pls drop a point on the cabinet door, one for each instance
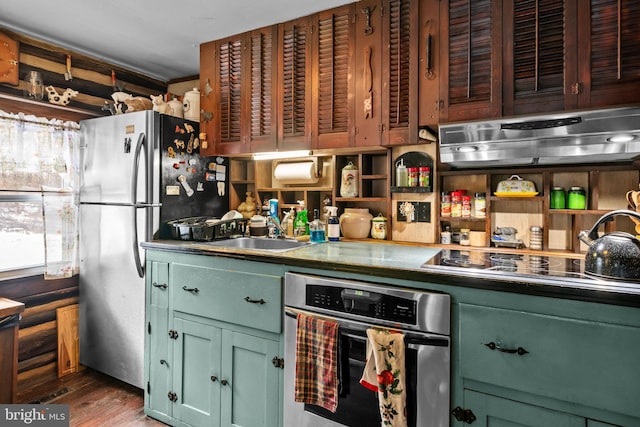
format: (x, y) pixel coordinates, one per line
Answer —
(333, 74)
(430, 64)
(227, 116)
(259, 90)
(609, 51)
(400, 31)
(251, 396)
(367, 112)
(535, 42)
(295, 104)
(491, 411)
(196, 373)
(208, 96)
(156, 340)
(472, 53)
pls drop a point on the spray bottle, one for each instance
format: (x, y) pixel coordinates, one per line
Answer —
(333, 224)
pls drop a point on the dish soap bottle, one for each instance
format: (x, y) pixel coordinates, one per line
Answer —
(300, 224)
(317, 228)
(333, 224)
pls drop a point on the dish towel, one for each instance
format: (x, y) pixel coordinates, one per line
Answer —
(317, 362)
(384, 372)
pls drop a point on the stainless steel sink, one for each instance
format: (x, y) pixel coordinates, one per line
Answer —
(262, 244)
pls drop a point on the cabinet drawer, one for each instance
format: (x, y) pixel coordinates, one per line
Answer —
(589, 363)
(247, 299)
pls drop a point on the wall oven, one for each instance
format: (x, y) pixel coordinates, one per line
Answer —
(424, 319)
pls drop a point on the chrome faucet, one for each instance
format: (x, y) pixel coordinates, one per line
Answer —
(278, 231)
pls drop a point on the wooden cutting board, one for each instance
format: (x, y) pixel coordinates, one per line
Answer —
(68, 340)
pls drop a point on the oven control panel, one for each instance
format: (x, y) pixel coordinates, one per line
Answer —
(363, 303)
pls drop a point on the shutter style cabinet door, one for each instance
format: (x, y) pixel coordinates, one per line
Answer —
(295, 105)
(609, 40)
(334, 81)
(260, 88)
(400, 72)
(473, 59)
(229, 84)
(534, 72)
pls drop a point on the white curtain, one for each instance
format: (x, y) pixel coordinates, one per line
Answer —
(41, 155)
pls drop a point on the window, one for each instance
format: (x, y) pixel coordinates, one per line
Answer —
(38, 185)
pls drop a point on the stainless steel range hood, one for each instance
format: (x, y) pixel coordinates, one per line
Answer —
(596, 136)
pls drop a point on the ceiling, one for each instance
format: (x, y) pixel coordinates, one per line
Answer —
(156, 38)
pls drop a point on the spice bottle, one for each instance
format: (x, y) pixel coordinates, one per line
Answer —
(413, 177)
(480, 205)
(466, 206)
(456, 204)
(423, 176)
(445, 205)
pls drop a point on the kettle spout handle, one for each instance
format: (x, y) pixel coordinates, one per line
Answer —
(583, 236)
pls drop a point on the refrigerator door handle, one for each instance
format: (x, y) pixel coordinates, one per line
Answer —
(134, 200)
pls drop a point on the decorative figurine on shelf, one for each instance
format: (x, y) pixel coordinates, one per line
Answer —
(56, 98)
(138, 103)
(248, 207)
(160, 105)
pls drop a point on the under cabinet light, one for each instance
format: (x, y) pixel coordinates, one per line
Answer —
(281, 154)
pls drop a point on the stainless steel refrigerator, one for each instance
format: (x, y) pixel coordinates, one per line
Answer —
(138, 170)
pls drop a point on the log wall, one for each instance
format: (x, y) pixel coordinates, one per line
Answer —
(38, 340)
(91, 77)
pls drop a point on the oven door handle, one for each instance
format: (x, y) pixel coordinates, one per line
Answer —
(411, 340)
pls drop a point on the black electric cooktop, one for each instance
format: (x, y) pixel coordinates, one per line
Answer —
(512, 264)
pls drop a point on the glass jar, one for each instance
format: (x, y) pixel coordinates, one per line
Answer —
(445, 237)
(557, 198)
(456, 204)
(464, 237)
(413, 177)
(466, 206)
(445, 205)
(480, 205)
(576, 198)
(423, 178)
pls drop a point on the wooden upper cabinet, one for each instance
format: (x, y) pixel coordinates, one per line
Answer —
(367, 112)
(333, 79)
(471, 36)
(430, 65)
(295, 102)
(208, 97)
(260, 89)
(609, 51)
(534, 56)
(400, 71)
(228, 105)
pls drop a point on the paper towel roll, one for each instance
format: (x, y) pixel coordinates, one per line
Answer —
(296, 173)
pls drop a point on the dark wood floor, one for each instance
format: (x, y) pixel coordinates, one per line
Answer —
(94, 399)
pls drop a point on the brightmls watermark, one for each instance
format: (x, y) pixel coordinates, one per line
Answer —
(34, 415)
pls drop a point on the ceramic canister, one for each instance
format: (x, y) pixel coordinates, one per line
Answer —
(379, 227)
(191, 105)
(349, 183)
(355, 223)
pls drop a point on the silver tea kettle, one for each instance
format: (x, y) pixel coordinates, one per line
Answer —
(614, 255)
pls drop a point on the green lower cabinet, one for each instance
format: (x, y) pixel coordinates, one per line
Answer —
(492, 411)
(195, 390)
(157, 341)
(251, 396)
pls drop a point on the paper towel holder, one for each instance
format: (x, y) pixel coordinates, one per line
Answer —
(274, 155)
(317, 163)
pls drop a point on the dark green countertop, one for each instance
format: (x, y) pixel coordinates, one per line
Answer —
(384, 259)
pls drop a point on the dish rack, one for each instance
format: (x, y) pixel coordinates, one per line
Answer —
(204, 228)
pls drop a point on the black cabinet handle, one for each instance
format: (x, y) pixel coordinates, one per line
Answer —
(224, 382)
(493, 346)
(214, 378)
(193, 290)
(254, 301)
(158, 285)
